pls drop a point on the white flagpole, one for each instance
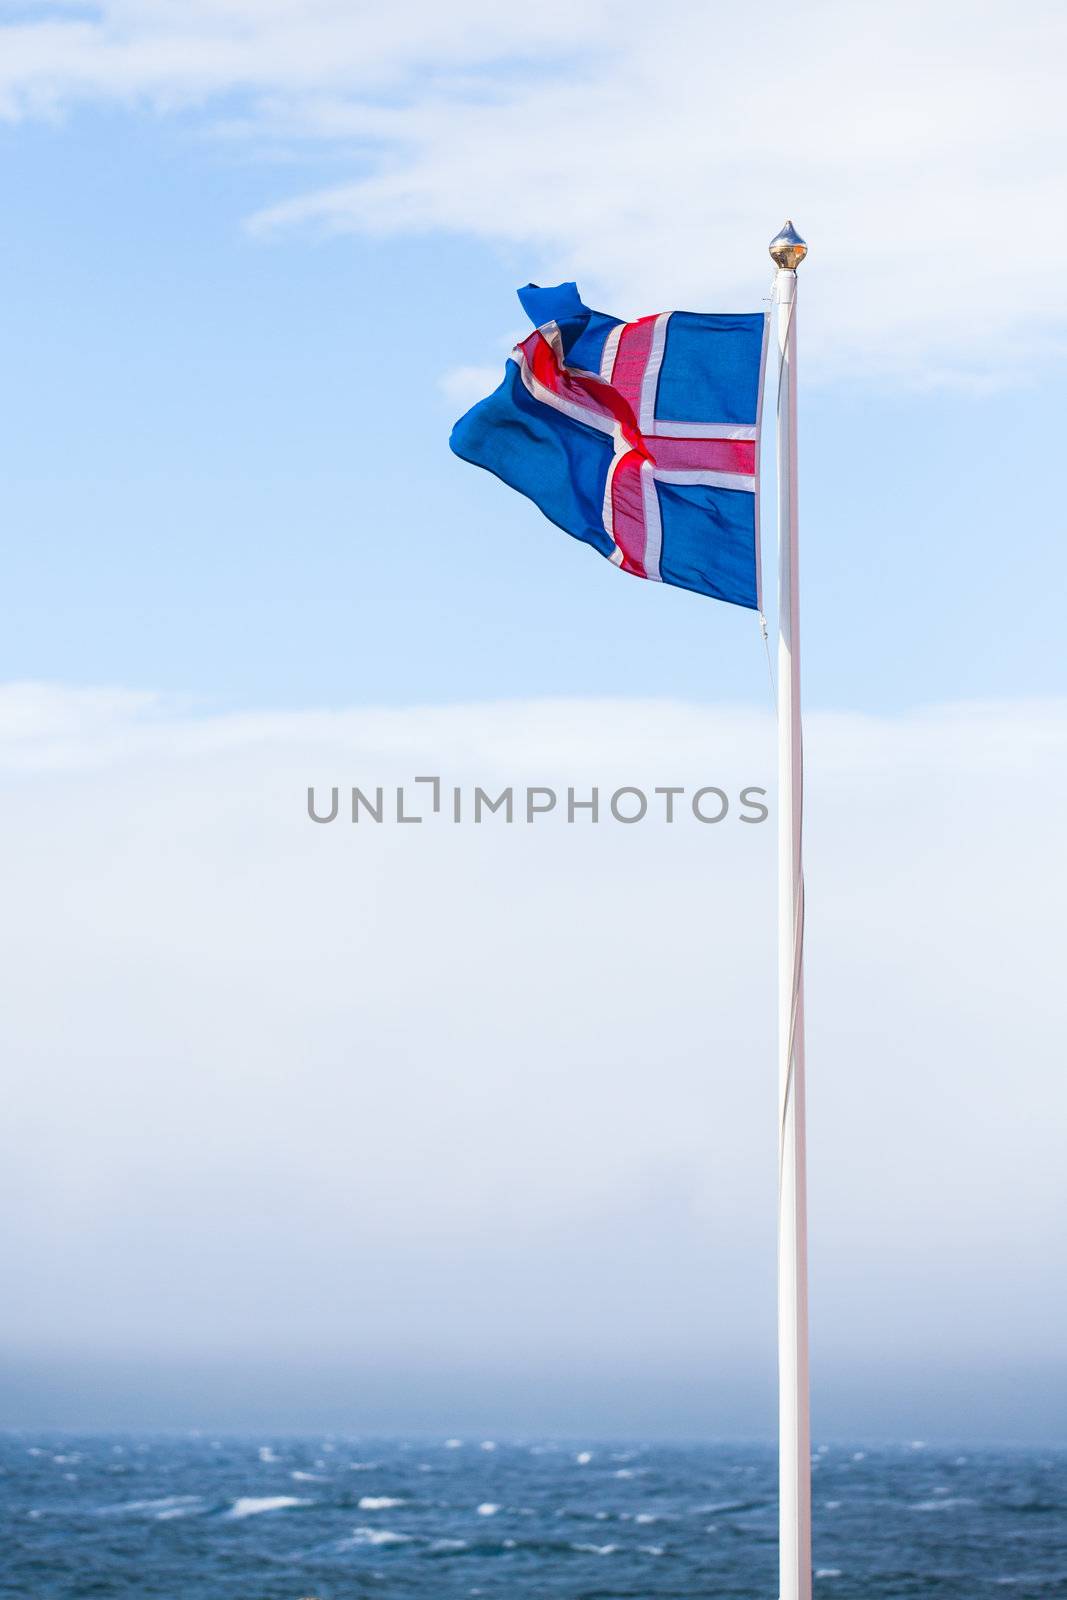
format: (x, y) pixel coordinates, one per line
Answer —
(794, 1427)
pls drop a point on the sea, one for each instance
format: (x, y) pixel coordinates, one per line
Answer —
(335, 1518)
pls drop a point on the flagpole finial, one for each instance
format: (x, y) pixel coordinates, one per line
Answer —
(787, 249)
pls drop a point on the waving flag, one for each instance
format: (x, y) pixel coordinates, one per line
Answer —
(640, 438)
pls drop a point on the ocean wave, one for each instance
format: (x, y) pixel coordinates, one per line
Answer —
(373, 1536)
(379, 1502)
(946, 1502)
(183, 1505)
(723, 1506)
(251, 1505)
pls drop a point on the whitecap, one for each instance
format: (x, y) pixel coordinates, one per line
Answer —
(828, 1572)
(624, 1472)
(374, 1536)
(266, 1454)
(364, 1466)
(584, 1457)
(255, 1505)
(944, 1503)
(181, 1504)
(449, 1544)
(487, 1509)
(488, 1444)
(453, 1444)
(646, 1516)
(596, 1549)
(379, 1502)
(306, 1477)
(652, 1549)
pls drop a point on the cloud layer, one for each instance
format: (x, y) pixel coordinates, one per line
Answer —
(920, 147)
(520, 1081)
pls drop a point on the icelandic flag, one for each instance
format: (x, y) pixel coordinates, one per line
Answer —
(640, 438)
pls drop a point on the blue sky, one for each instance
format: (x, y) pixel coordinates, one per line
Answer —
(228, 471)
(518, 1087)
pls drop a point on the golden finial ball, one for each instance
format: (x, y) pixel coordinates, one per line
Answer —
(787, 249)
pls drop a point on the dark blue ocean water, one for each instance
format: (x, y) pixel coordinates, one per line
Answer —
(341, 1519)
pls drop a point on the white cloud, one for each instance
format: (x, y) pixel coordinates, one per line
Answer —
(182, 50)
(920, 147)
(464, 385)
(523, 1075)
